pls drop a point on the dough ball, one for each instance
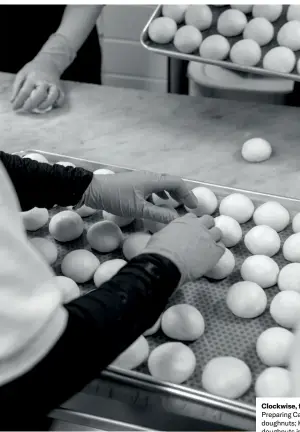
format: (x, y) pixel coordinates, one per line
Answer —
(246, 300)
(274, 382)
(237, 206)
(65, 164)
(289, 35)
(223, 268)
(46, 248)
(35, 218)
(134, 355)
(207, 200)
(66, 226)
(245, 52)
(172, 362)
(285, 309)
(162, 30)
(245, 8)
(68, 288)
(231, 230)
(182, 322)
(262, 240)
(227, 377)
(85, 211)
(118, 220)
(280, 59)
(260, 30)
(256, 150)
(215, 47)
(296, 223)
(273, 215)
(289, 278)
(199, 16)
(107, 270)
(269, 11)
(104, 236)
(175, 12)
(170, 202)
(187, 39)
(79, 265)
(274, 345)
(231, 22)
(154, 329)
(291, 248)
(293, 12)
(260, 269)
(36, 157)
(103, 171)
(135, 244)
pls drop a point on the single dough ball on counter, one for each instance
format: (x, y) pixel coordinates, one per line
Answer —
(183, 322)
(85, 211)
(262, 240)
(46, 248)
(293, 12)
(175, 12)
(80, 265)
(215, 47)
(170, 202)
(154, 329)
(273, 215)
(207, 201)
(199, 16)
(285, 309)
(135, 244)
(289, 35)
(35, 218)
(232, 232)
(296, 223)
(69, 289)
(245, 52)
(104, 236)
(223, 268)
(289, 278)
(269, 11)
(36, 157)
(231, 22)
(260, 30)
(66, 226)
(187, 39)
(227, 377)
(291, 248)
(65, 164)
(260, 269)
(246, 8)
(172, 362)
(237, 206)
(118, 220)
(246, 300)
(136, 354)
(107, 270)
(273, 346)
(274, 382)
(103, 171)
(256, 150)
(162, 30)
(280, 59)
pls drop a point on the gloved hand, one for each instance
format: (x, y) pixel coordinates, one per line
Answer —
(190, 243)
(125, 194)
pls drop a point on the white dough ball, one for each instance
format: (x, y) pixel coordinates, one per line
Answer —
(231, 230)
(107, 270)
(135, 244)
(68, 288)
(136, 354)
(237, 206)
(256, 150)
(85, 211)
(269, 11)
(260, 269)
(46, 248)
(289, 35)
(187, 39)
(289, 278)
(182, 322)
(66, 226)
(285, 309)
(170, 202)
(260, 30)
(65, 164)
(162, 30)
(246, 8)
(199, 16)
(154, 329)
(274, 382)
(293, 12)
(223, 268)
(175, 12)
(246, 300)
(296, 223)
(172, 362)
(104, 236)
(280, 59)
(118, 220)
(80, 265)
(227, 377)
(35, 218)
(273, 215)
(103, 171)
(291, 248)
(36, 157)
(231, 22)
(215, 47)
(245, 52)
(207, 201)
(262, 240)
(273, 346)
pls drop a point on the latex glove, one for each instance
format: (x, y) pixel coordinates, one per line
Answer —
(190, 243)
(125, 194)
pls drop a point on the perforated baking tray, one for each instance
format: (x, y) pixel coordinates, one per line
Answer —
(169, 50)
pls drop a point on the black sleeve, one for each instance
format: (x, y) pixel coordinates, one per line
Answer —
(42, 185)
(101, 325)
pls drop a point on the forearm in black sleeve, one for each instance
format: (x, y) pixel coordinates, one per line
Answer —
(101, 325)
(43, 185)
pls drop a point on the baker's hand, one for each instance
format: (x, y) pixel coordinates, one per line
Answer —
(190, 243)
(125, 194)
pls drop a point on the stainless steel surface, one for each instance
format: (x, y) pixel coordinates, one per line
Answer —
(170, 50)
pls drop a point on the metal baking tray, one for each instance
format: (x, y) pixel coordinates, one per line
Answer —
(225, 334)
(169, 50)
